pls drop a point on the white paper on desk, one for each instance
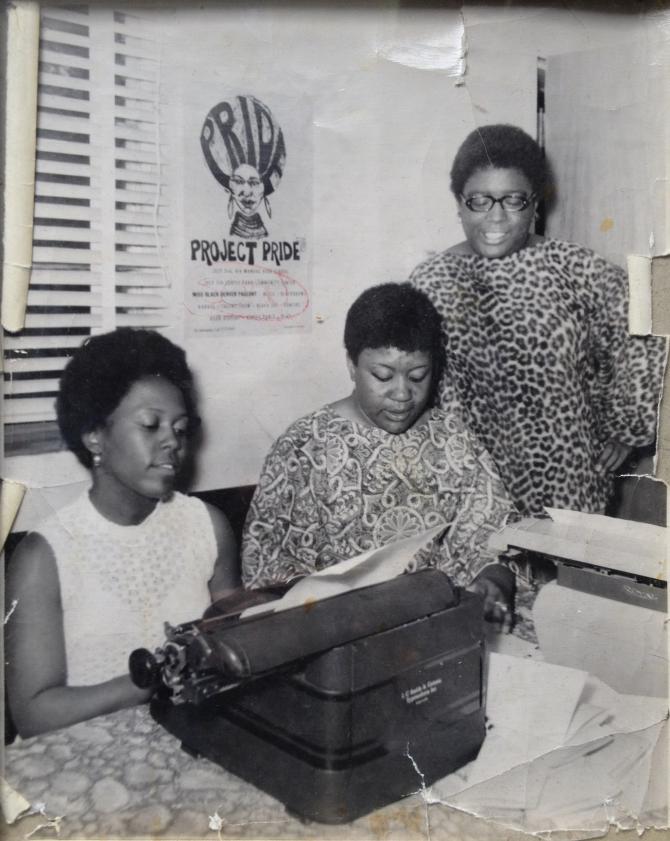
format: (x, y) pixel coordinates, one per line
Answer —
(371, 567)
(529, 707)
(599, 771)
(580, 787)
(612, 712)
(576, 786)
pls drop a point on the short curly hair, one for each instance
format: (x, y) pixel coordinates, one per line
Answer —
(395, 315)
(102, 371)
(504, 147)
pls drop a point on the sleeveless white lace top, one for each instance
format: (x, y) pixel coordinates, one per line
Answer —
(120, 584)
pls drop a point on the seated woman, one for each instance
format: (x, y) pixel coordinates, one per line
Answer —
(101, 575)
(380, 464)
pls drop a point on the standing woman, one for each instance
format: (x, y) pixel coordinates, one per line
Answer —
(100, 576)
(536, 334)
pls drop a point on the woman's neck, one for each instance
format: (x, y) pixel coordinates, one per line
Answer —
(120, 505)
(349, 408)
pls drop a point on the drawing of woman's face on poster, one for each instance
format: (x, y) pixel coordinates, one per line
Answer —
(246, 189)
(244, 148)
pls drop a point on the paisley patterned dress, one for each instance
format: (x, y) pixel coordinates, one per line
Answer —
(332, 488)
(540, 358)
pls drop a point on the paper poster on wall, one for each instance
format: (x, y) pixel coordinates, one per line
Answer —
(247, 211)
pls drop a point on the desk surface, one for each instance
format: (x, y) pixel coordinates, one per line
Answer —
(122, 775)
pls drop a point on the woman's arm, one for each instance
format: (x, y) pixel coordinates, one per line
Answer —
(282, 534)
(484, 509)
(36, 664)
(481, 508)
(226, 577)
(626, 390)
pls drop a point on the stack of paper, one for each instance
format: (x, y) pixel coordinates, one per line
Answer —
(563, 751)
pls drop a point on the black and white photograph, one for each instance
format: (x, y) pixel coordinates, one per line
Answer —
(334, 448)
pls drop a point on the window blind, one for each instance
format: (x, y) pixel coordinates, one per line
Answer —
(100, 204)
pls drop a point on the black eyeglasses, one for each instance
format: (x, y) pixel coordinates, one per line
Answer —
(514, 202)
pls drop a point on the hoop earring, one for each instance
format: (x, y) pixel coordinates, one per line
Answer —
(268, 209)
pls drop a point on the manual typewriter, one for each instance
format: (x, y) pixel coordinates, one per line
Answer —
(336, 707)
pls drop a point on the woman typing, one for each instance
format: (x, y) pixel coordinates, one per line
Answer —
(99, 577)
(380, 464)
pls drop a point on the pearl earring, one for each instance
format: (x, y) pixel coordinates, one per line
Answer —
(97, 459)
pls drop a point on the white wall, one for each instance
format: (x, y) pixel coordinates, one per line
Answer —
(384, 137)
(625, 214)
(379, 200)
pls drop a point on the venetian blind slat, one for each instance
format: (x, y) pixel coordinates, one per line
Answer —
(63, 320)
(58, 53)
(54, 230)
(77, 171)
(31, 409)
(135, 260)
(61, 120)
(59, 254)
(131, 218)
(63, 189)
(155, 319)
(75, 14)
(129, 238)
(58, 297)
(54, 75)
(136, 70)
(140, 132)
(43, 343)
(36, 364)
(148, 277)
(135, 156)
(140, 300)
(58, 143)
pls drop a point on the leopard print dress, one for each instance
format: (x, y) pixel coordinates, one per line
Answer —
(540, 359)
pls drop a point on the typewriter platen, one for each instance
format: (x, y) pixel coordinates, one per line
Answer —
(337, 707)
